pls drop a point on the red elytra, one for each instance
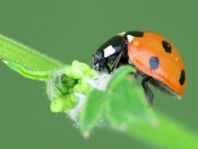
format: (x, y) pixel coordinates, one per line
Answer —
(171, 69)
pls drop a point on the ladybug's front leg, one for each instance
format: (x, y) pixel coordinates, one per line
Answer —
(148, 91)
(116, 62)
(102, 66)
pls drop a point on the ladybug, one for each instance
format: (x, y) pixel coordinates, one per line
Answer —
(153, 56)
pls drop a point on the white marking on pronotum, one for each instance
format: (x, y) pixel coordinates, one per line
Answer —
(109, 51)
(130, 38)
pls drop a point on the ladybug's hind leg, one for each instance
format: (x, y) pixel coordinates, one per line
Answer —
(148, 91)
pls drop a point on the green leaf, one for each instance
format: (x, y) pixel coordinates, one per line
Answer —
(128, 112)
(25, 60)
(122, 103)
(119, 74)
(93, 111)
(127, 102)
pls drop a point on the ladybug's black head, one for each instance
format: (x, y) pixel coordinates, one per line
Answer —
(107, 53)
(98, 60)
(97, 57)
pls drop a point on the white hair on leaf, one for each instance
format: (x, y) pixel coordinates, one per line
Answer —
(99, 82)
(73, 113)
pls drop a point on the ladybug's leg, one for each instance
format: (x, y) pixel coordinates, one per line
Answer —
(148, 91)
(105, 66)
(134, 74)
(101, 67)
(116, 62)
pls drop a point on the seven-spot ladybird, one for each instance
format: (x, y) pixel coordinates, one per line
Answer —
(153, 56)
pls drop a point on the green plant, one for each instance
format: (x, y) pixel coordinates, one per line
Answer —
(90, 98)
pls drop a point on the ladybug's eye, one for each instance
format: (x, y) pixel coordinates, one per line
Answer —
(166, 46)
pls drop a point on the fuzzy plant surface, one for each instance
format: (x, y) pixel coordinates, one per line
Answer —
(91, 98)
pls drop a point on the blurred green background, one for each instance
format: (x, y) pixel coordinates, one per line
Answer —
(71, 29)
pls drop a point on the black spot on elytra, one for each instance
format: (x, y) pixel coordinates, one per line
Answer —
(135, 33)
(166, 46)
(182, 77)
(154, 62)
